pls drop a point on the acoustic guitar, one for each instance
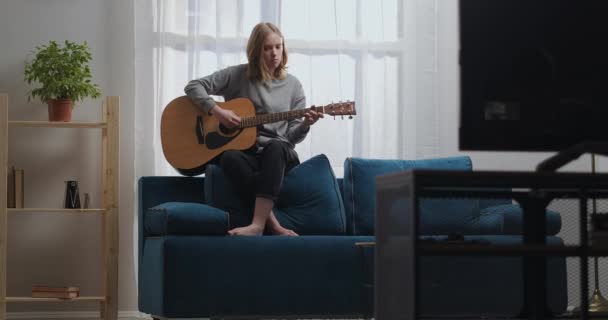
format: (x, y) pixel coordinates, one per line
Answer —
(192, 138)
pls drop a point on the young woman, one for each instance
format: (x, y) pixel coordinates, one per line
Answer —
(258, 173)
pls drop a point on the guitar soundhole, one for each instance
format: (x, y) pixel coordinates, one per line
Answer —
(227, 131)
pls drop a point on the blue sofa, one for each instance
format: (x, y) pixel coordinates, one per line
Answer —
(189, 268)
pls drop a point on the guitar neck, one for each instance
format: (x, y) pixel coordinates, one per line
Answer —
(275, 117)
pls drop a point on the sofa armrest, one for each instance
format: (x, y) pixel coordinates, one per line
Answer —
(153, 191)
(185, 218)
(507, 219)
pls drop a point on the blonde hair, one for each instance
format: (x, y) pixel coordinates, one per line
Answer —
(257, 69)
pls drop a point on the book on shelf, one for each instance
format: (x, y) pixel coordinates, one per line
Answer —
(51, 294)
(10, 188)
(19, 188)
(55, 292)
(55, 289)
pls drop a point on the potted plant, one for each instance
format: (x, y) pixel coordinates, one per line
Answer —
(64, 76)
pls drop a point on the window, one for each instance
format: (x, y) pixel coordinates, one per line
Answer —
(340, 50)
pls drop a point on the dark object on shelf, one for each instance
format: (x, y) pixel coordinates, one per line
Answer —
(87, 201)
(72, 199)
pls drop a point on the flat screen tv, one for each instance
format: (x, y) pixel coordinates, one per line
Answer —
(534, 74)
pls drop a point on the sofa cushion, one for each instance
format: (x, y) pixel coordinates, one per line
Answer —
(309, 203)
(185, 218)
(437, 215)
(511, 218)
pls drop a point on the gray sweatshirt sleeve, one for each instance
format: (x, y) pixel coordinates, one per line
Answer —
(215, 84)
(295, 132)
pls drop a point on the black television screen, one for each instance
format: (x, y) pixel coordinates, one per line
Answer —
(534, 74)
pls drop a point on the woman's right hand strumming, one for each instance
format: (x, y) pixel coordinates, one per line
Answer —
(226, 117)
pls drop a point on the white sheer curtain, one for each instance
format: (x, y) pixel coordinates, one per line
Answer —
(379, 53)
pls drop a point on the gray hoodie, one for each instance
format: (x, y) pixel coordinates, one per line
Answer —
(275, 96)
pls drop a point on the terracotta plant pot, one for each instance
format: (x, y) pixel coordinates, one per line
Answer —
(60, 109)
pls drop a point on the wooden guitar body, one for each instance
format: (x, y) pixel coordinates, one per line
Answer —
(191, 138)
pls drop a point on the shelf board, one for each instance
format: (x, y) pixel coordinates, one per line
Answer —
(55, 210)
(55, 124)
(30, 299)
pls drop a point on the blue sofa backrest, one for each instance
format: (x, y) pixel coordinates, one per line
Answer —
(439, 216)
(356, 209)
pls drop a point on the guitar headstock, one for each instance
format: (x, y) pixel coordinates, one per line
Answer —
(346, 108)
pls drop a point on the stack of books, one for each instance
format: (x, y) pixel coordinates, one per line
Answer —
(55, 292)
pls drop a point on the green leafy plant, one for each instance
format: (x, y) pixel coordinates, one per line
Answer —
(62, 72)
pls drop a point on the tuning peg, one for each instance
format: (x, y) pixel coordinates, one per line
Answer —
(350, 117)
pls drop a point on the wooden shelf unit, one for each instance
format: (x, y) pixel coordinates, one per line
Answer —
(109, 206)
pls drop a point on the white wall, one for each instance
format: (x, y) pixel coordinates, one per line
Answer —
(63, 249)
(121, 50)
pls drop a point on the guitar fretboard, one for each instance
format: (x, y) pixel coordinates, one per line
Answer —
(275, 117)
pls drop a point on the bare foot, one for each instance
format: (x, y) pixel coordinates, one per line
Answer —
(280, 231)
(250, 230)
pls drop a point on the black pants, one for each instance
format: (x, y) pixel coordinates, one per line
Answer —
(259, 174)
